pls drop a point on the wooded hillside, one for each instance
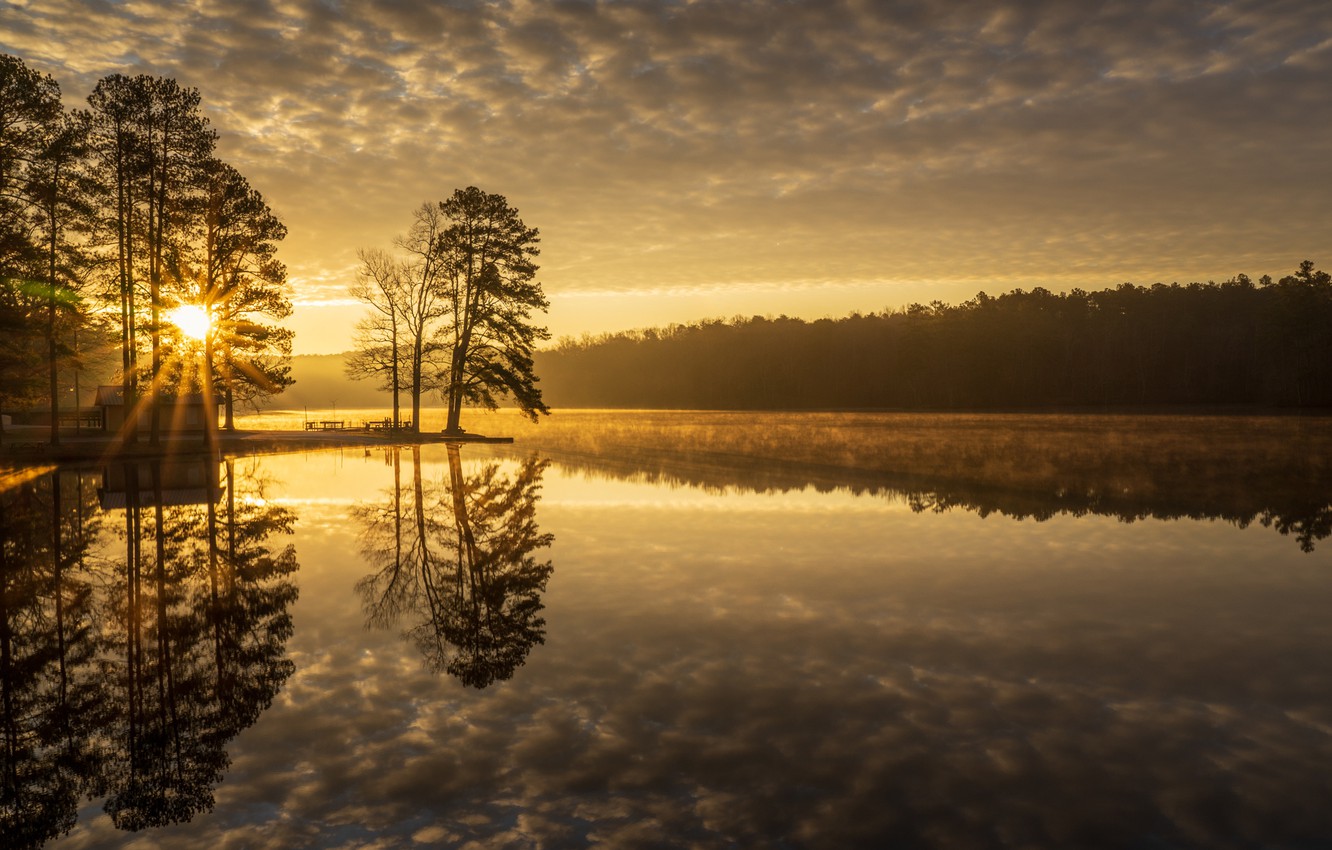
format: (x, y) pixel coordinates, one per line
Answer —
(1241, 342)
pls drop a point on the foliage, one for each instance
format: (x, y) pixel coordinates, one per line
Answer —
(125, 202)
(241, 285)
(1232, 343)
(488, 280)
(31, 123)
(455, 312)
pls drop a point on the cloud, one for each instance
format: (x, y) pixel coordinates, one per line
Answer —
(680, 144)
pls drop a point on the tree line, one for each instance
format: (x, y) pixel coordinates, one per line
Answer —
(1240, 342)
(114, 217)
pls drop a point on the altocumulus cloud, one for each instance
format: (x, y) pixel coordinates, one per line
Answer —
(661, 144)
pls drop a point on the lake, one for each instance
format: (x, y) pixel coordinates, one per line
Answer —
(664, 629)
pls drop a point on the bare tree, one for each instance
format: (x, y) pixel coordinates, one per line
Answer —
(412, 312)
(424, 303)
(377, 348)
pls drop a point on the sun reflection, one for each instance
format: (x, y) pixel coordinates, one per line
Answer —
(191, 319)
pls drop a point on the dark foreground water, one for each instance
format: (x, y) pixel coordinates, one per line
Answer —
(482, 648)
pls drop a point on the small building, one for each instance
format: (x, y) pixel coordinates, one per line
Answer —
(179, 414)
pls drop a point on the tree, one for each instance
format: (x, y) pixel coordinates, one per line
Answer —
(152, 146)
(1299, 339)
(60, 187)
(179, 147)
(29, 108)
(30, 112)
(376, 351)
(422, 302)
(239, 283)
(459, 316)
(116, 152)
(487, 280)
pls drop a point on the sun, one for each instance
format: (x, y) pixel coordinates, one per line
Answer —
(191, 319)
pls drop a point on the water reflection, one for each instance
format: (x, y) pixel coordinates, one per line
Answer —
(806, 671)
(1277, 488)
(453, 565)
(143, 624)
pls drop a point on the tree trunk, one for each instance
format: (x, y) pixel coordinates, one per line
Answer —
(51, 314)
(393, 371)
(417, 355)
(55, 382)
(452, 425)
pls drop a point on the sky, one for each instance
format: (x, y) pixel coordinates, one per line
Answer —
(689, 159)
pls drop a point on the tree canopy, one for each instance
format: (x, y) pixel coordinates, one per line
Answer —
(122, 210)
(1239, 342)
(489, 284)
(454, 311)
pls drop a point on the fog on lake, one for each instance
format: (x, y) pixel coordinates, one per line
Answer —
(657, 629)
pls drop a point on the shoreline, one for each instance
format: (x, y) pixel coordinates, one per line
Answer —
(100, 447)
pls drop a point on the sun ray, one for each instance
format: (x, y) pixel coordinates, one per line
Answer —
(191, 319)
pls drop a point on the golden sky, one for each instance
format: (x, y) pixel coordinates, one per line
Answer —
(699, 158)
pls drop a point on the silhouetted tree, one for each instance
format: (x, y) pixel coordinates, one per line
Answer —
(30, 117)
(456, 562)
(241, 286)
(61, 188)
(152, 145)
(487, 279)
(1233, 343)
(381, 282)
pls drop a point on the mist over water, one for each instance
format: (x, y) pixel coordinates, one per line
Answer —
(700, 645)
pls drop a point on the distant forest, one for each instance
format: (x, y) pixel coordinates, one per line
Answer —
(1240, 342)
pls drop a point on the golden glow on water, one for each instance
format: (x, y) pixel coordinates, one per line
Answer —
(896, 644)
(11, 478)
(1075, 454)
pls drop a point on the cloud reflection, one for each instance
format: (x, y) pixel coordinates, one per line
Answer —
(732, 677)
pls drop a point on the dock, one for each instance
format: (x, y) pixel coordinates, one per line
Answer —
(31, 445)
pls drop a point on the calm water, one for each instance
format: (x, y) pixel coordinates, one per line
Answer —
(490, 648)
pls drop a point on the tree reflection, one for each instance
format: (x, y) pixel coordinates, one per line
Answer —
(49, 696)
(453, 564)
(134, 647)
(206, 622)
(1282, 486)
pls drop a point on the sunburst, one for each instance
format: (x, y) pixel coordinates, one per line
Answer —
(191, 319)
